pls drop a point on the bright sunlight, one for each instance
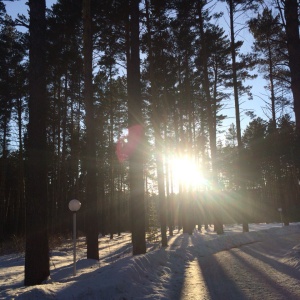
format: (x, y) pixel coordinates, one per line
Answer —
(187, 173)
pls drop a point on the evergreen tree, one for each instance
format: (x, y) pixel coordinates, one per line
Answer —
(156, 22)
(269, 45)
(254, 140)
(65, 89)
(12, 67)
(239, 74)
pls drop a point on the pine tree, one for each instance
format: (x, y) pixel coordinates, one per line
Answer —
(239, 74)
(65, 85)
(156, 103)
(270, 47)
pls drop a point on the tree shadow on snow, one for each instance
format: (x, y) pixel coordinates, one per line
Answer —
(178, 251)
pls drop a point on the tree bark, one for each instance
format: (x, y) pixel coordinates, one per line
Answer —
(293, 44)
(237, 113)
(91, 211)
(136, 181)
(37, 249)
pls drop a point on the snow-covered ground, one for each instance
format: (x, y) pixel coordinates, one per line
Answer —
(119, 275)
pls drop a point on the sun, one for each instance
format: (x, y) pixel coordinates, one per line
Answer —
(187, 172)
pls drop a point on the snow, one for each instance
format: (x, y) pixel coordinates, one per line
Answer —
(119, 275)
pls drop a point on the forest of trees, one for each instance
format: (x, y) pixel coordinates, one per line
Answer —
(97, 98)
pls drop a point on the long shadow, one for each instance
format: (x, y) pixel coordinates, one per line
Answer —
(74, 284)
(124, 249)
(180, 241)
(75, 288)
(116, 254)
(64, 274)
(109, 289)
(218, 283)
(213, 282)
(176, 282)
(199, 244)
(113, 290)
(264, 280)
(11, 260)
(113, 254)
(275, 264)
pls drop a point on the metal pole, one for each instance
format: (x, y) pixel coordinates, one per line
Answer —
(74, 242)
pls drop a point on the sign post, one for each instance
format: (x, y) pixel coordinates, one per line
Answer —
(74, 206)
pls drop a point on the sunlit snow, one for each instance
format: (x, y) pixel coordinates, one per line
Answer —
(119, 275)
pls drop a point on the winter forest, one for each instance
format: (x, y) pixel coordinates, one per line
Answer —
(124, 105)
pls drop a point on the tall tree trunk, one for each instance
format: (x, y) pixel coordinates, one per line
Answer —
(276, 156)
(272, 87)
(156, 122)
(20, 222)
(101, 179)
(179, 147)
(59, 201)
(174, 145)
(91, 211)
(211, 116)
(62, 199)
(293, 43)
(112, 202)
(3, 199)
(136, 181)
(291, 13)
(119, 215)
(237, 115)
(6, 104)
(37, 248)
(188, 145)
(169, 186)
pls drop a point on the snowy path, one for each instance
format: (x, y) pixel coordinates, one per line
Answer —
(194, 287)
(256, 271)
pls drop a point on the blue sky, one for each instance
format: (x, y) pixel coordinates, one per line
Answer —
(13, 8)
(19, 6)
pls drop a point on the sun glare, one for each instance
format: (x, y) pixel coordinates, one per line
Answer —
(187, 173)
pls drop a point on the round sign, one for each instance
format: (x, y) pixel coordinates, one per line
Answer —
(74, 205)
